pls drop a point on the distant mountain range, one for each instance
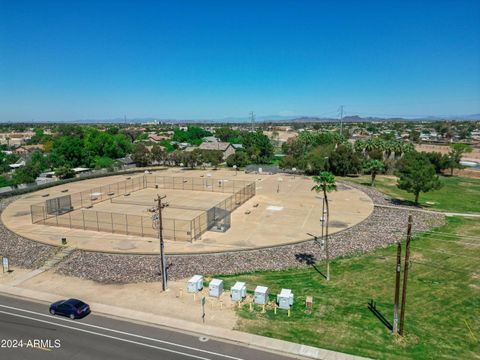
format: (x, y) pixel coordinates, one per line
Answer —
(263, 119)
(279, 118)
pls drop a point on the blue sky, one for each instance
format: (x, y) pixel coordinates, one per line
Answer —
(184, 59)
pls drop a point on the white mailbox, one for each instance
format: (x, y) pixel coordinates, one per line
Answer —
(261, 295)
(215, 288)
(285, 299)
(238, 291)
(195, 284)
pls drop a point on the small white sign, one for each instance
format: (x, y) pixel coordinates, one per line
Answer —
(5, 264)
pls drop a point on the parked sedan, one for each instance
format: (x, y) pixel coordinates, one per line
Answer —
(72, 308)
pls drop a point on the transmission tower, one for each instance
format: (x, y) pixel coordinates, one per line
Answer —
(252, 120)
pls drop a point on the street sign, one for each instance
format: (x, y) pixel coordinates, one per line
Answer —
(5, 264)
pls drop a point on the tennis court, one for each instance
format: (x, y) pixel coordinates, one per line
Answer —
(191, 206)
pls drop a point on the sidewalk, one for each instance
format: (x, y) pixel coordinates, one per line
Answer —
(181, 325)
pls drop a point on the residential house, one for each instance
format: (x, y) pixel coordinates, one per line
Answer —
(21, 151)
(226, 148)
(157, 138)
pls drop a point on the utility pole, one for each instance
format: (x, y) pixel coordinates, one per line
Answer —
(327, 254)
(397, 288)
(163, 269)
(324, 221)
(405, 274)
(341, 119)
(252, 120)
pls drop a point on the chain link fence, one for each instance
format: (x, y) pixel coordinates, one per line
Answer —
(75, 210)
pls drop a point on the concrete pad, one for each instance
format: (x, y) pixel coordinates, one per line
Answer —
(254, 224)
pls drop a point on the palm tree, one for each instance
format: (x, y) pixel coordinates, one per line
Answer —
(325, 182)
(373, 167)
(397, 149)
(359, 146)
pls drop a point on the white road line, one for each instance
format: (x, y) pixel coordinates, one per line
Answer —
(123, 333)
(104, 335)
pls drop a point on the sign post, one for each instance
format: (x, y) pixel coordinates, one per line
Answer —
(203, 309)
(5, 264)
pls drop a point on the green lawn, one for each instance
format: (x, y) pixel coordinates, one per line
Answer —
(458, 194)
(443, 298)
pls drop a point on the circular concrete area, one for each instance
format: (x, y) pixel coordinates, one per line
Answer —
(284, 210)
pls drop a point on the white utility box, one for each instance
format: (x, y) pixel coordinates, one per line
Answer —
(261, 295)
(285, 299)
(215, 288)
(238, 291)
(195, 284)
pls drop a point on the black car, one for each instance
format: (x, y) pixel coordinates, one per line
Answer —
(72, 308)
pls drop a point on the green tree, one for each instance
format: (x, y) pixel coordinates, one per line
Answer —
(64, 172)
(158, 154)
(455, 155)
(193, 135)
(141, 154)
(213, 157)
(104, 144)
(325, 183)
(6, 160)
(239, 158)
(26, 174)
(287, 162)
(68, 150)
(226, 133)
(103, 162)
(414, 136)
(373, 167)
(416, 174)
(4, 181)
(316, 160)
(40, 160)
(439, 161)
(344, 161)
(257, 146)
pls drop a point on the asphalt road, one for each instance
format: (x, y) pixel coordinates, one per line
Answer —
(28, 331)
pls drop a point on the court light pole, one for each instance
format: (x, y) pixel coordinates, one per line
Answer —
(163, 267)
(235, 167)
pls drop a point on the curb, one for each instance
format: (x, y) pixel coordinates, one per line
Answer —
(251, 340)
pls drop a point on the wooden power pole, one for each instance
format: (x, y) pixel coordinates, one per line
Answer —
(327, 250)
(405, 274)
(397, 288)
(163, 269)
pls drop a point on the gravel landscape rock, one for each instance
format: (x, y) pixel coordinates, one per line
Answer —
(20, 251)
(386, 225)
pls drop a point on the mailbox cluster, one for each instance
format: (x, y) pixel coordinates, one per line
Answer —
(195, 284)
(238, 292)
